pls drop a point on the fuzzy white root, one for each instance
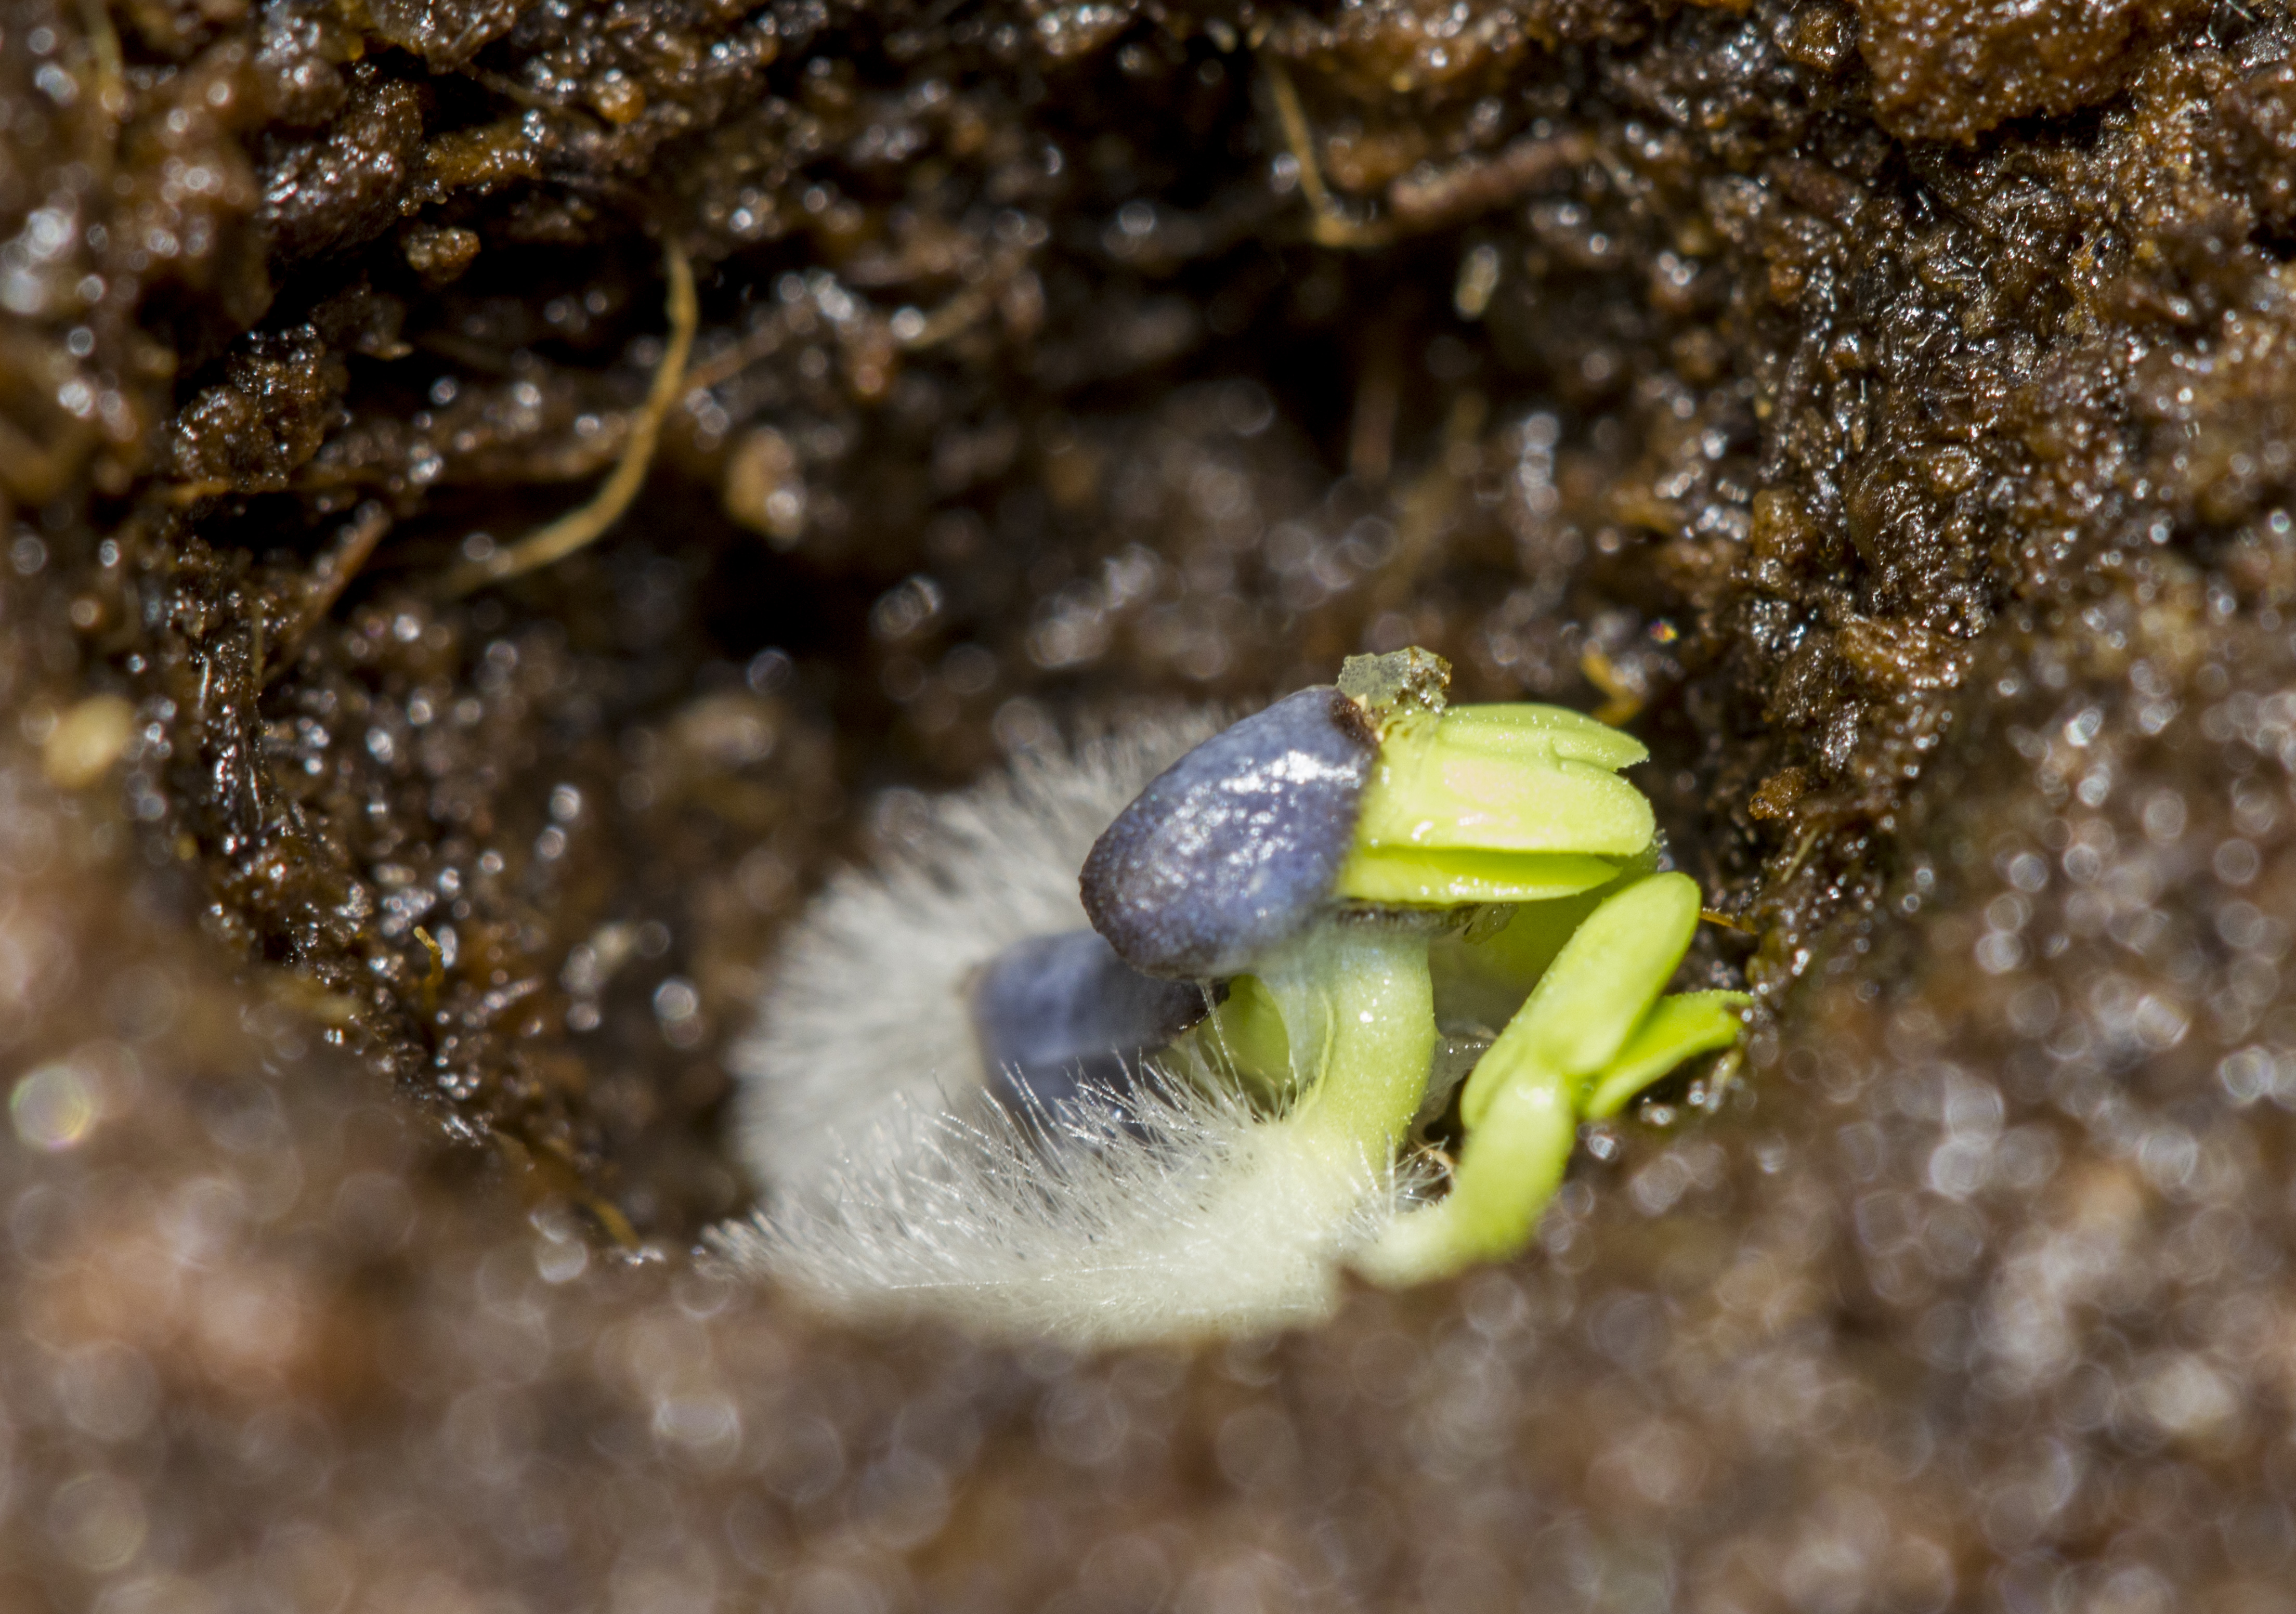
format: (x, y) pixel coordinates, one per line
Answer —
(895, 1183)
(1168, 1212)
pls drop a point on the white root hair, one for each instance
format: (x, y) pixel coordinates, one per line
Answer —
(895, 1183)
(1168, 1212)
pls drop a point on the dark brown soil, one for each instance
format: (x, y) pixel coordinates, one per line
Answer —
(1885, 408)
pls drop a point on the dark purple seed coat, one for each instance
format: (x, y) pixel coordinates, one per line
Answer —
(1235, 847)
(1053, 1012)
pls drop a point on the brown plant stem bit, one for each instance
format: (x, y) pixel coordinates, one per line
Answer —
(579, 528)
(1622, 703)
(328, 579)
(1329, 225)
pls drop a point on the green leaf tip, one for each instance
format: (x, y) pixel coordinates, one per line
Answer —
(1677, 1028)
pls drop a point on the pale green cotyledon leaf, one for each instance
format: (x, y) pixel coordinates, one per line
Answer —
(1450, 876)
(1430, 790)
(1595, 991)
(1522, 730)
(1676, 1029)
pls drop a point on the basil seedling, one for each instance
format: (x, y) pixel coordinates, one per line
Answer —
(1193, 1117)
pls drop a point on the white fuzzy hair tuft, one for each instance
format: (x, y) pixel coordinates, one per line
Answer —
(1168, 1212)
(894, 1183)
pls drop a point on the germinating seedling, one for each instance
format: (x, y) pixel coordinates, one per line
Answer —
(1203, 1106)
(1376, 795)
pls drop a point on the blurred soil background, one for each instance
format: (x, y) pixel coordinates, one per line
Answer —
(1887, 409)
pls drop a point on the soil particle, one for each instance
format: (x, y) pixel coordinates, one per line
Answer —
(1944, 71)
(346, 184)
